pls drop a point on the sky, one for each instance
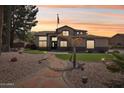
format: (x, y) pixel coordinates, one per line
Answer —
(102, 20)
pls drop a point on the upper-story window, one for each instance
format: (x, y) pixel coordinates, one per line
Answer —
(77, 33)
(54, 38)
(65, 33)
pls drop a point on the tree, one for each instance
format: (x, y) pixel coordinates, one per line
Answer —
(1, 26)
(30, 37)
(23, 19)
(6, 28)
(75, 42)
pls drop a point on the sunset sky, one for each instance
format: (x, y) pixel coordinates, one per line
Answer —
(98, 20)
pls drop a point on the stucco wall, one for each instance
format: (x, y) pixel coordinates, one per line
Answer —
(101, 43)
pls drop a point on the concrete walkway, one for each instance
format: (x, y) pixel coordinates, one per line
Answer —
(46, 77)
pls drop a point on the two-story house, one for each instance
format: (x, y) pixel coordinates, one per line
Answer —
(65, 38)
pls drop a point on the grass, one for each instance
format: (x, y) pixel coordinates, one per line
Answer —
(30, 51)
(90, 57)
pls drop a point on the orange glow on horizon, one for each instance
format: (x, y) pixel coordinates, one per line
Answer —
(92, 29)
(102, 20)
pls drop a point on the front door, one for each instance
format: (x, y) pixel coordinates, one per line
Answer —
(54, 45)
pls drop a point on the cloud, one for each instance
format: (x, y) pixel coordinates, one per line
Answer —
(97, 23)
(118, 7)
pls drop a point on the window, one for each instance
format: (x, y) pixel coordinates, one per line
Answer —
(54, 38)
(42, 38)
(42, 41)
(77, 33)
(90, 44)
(81, 33)
(42, 44)
(65, 33)
(63, 43)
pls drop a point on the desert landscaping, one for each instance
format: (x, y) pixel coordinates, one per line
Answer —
(46, 70)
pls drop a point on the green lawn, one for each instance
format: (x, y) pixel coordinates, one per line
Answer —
(34, 51)
(90, 57)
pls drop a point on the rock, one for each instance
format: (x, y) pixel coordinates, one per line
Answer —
(14, 49)
(14, 59)
(40, 61)
(112, 66)
(115, 84)
(82, 68)
(21, 51)
(84, 79)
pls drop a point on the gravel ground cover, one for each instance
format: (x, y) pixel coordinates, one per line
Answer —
(27, 68)
(97, 74)
(25, 65)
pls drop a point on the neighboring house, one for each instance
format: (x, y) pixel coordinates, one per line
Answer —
(117, 41)
(65, 37)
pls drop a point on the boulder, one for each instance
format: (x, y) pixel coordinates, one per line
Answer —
(84, 79)
(20, 51)
(14, 59)
(112, 66)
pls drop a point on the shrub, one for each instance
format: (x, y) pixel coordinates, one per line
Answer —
(31, 46)
(113, 67)
(119, 56)
(117, 47)
(116, 51)
(119, 59)
(119, 62)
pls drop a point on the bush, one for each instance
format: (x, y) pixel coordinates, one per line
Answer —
(119, 62)
(18, 45)
(116, 51)
(90, 51)
(119, 56)
(117, 47)
(113, 67)
(31, 46)
(119, 59)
